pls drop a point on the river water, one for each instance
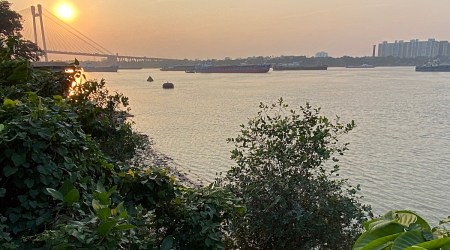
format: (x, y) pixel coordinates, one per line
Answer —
(399, 152)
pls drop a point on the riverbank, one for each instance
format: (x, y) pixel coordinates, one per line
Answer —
(148, 156)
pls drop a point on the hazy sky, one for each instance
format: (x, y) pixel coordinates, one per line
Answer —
(240, 28)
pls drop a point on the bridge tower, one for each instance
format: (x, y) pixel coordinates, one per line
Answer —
(35, 14)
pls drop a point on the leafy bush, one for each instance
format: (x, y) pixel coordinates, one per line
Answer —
(176, 216)
(199, 219)
(104, 227)
(41, 144)
(293, 200)
(104, 117)
(402, 230)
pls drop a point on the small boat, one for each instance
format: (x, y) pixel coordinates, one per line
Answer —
(149, 79)
(362, 66)
(296, 66)
(434, 66)
(168, 85)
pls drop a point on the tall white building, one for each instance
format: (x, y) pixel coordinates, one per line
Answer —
(414, 48)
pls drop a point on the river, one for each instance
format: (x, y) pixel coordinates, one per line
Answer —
(399, 152)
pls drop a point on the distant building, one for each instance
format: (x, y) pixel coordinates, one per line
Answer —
(322, 54)
(414, 48)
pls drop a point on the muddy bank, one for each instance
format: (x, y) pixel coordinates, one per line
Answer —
(148, 156)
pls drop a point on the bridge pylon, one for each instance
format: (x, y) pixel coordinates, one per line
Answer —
(35, 14)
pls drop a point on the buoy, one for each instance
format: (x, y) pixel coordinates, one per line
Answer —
(168, 85)
(149, 79)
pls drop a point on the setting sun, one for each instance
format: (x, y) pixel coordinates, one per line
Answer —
(65, 12)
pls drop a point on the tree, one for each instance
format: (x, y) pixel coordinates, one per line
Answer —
(10, 21)
(11, 41)
(293, 199)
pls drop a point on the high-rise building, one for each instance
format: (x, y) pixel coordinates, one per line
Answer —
(414, 48)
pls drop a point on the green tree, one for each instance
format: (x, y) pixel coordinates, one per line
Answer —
(293, 199)
(14, 46)
(10, 21)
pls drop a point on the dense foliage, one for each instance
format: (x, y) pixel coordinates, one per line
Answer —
(66, 180)
(10, 21)
(293, 199)
(13, 47)
(398, 230)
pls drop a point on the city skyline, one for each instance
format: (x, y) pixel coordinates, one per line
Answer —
(205, 29)
(430, 48)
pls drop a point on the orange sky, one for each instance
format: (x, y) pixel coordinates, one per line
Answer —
(240, 28)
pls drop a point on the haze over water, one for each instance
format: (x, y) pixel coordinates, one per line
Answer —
(399, 152)
(222, 28)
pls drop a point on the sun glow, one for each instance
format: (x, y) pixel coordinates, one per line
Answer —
(65, 12)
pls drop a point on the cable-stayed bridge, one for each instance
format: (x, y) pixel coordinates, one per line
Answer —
(54, 36)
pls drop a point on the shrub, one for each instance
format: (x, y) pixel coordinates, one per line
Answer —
(41, 144)
(293, 200)
(104, 117)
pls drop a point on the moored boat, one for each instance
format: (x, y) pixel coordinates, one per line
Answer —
(112, 68)
(298, 66)
(362, 66)
(178, 68)
(246, 68)
(168, 85)
(434, 67)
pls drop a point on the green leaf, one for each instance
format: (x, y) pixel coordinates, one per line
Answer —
(124, 227)
(29, 183)
(103, 198)
(8, 103)
(100, 187)
(240, 210)
(433, 244)
(382, 230)
(407, 239)
(66, 187)
(57, 98)
(381, 243)
(72, 196)
(112, 190)
(106, 227)
(167, 243)
(2, 127)
(123, 214)
(104, 213)
(9, 170)
(57, 195)
(18, 159)
(419, 220)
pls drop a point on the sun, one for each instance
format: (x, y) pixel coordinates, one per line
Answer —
(65, 12)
